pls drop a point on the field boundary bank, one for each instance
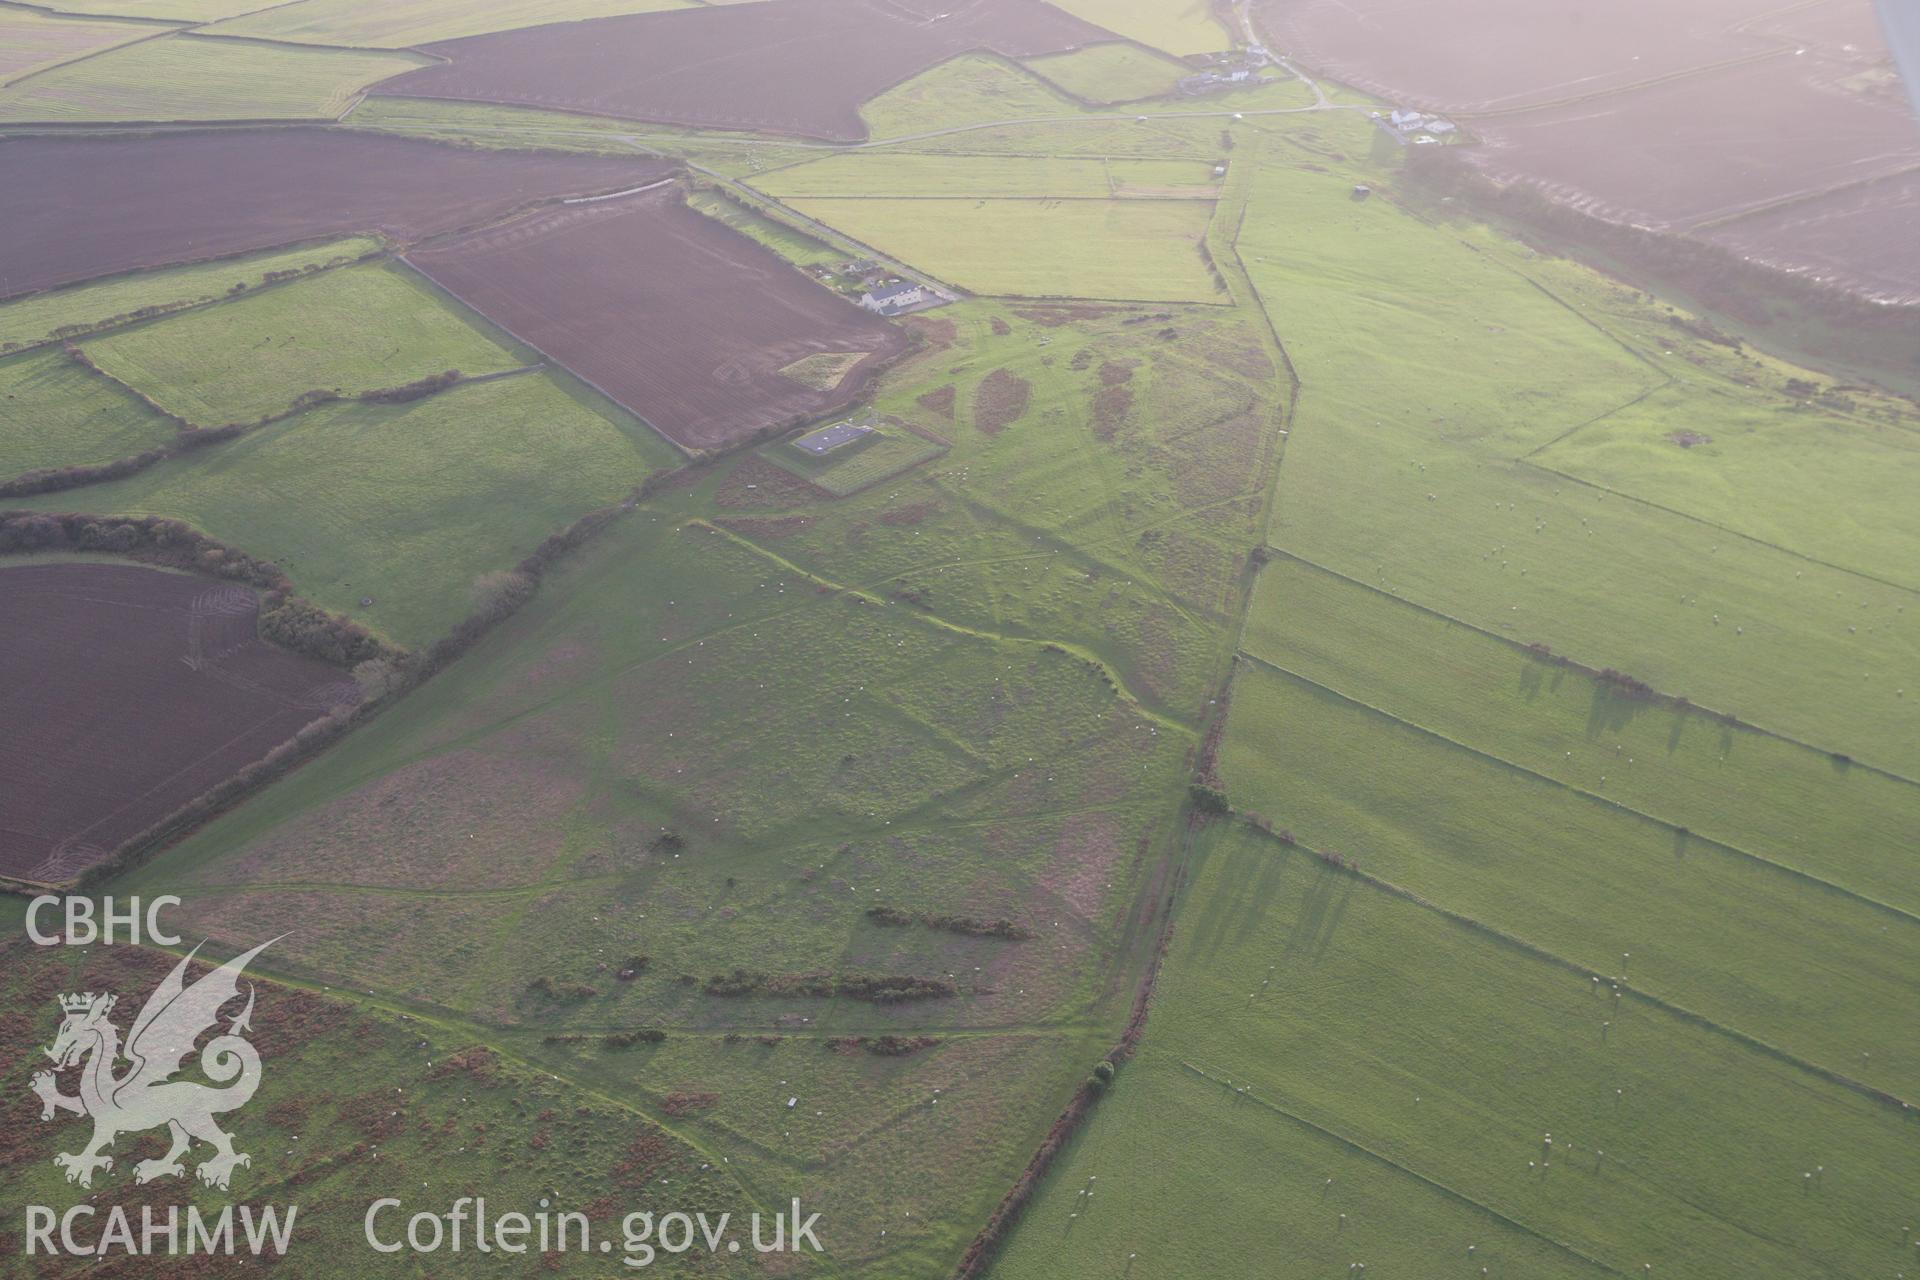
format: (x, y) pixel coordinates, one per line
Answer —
(1675, 828)
(985, 1248)
(161, 311)
(1382, 1158)
(687, 454)
(91, 53)
(1719, 221)
(1714, 525)
(753, 200)
(190, 438)
(1491, 112)
(1440, 226)
(1724, 717)
(389, 248)
(1676, 263)
(1536, 951)
(1146, 709)
(1162, 894)
(1092, 552)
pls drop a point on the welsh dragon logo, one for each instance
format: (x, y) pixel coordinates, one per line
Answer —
(145, 1095)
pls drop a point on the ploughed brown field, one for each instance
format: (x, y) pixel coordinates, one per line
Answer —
(1703, 147)
(1675, 116)
(75, 208)
(673, 314)
(781, 66)
(1490, 55)
(126, 692)
(1825, 236)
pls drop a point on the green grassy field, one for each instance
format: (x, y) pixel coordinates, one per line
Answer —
(1750, 474)
(1338, 1071)
(1743, 943)
(56, 413)
(1104, 73)
(1180, 27)
(406, 504)
(671, 791)
(1424, 410)
(1745, 789)
(59, 312)
(962, 91)
(357, 329)
(748, 713)
(198, 78)
(1142, 250)
(635, 699)
(32, 41)
(905, 174)
(1334, 1075)
(413, 22)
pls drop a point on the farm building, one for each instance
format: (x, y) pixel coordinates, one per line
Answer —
(893, 299)
(1416, 126)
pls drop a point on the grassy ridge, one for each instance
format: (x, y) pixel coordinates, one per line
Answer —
(355, 1102)
(31, 41)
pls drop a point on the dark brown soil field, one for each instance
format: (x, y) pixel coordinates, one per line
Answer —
(1672, 116)
(1825, 237)
(781, 66)
(75, 208)
(1486, 55)
(675, 315)
(1706, 146)
(108, 726)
